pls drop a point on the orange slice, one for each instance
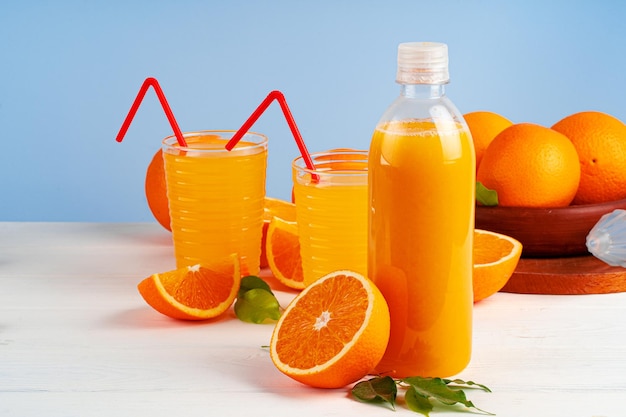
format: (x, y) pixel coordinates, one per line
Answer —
(283, 253)
(194, 292)
(333, 333)
(279, 208)
(495, 259)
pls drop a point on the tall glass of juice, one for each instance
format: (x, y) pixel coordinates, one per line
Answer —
(331, 210)
(216, 197)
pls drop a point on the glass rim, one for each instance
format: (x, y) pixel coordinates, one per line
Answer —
(249, 141)
(299, 164)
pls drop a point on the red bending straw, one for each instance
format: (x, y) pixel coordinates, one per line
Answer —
(278, 96)
(151, 82)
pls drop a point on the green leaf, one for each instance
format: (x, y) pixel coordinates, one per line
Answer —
(485, 196)
(417, 402)
(467, 384)
(377, 390)
(257, 305)
(439, 390)
(419, 393)
(251, 282)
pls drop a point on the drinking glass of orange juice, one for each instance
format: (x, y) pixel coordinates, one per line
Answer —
(216, 197)
(331, 211)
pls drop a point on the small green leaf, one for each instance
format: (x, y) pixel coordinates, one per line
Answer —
(419, 393)
(257, 305)
(417, 402)
(377, 390)
(439, 390)
(467, 384)
(251, 282)
(485, 196)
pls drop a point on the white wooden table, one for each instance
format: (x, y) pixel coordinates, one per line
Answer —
(76, 339)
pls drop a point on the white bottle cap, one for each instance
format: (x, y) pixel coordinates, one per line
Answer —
(422, 63)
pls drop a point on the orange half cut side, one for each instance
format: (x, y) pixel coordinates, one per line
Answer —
(495, 259)
(333, 333)
(283, 253)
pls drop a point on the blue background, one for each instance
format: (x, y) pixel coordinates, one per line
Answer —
(69, 71)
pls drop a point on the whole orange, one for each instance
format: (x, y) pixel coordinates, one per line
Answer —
(531, 166)
(484, 127)
(156, 192)
(600, 140)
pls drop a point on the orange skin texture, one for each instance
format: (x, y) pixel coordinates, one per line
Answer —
(156, 191)
(600, 140)
(531, 166)
(484, 127)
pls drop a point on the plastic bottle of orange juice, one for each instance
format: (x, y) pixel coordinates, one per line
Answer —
(421, 219)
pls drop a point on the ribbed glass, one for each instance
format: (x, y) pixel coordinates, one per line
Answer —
(216, 197)
(331, 209)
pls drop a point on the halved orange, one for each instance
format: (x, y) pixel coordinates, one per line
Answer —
(283, 253)
(495, 259)
(193, 292)
(279, 208)
(333, 333)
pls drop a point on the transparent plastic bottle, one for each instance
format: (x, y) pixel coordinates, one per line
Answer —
(421, 222)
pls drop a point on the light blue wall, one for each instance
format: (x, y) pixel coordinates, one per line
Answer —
(69, 71)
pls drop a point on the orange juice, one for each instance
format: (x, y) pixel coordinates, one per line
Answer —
(331, 211)
(421, 229)
(216, 197)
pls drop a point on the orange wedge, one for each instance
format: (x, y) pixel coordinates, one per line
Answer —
(495, 259)
(283, 253)
(194, 292)
(333, 333)
(274, 207)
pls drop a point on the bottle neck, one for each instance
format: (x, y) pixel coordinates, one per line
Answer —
(423, 91)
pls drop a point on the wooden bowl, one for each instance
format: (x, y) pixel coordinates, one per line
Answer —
(546, 232)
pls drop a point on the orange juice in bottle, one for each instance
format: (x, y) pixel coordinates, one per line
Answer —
(421, 220)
